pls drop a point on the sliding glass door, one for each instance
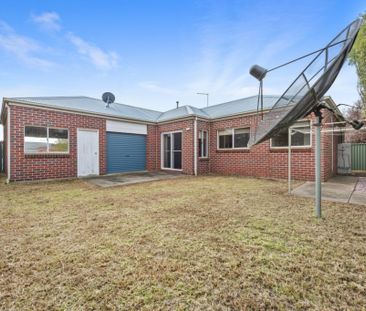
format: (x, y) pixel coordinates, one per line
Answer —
(172, 150)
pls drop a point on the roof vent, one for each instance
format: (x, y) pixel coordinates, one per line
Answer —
(108, 98)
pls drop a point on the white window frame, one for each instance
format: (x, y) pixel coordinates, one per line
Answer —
(232, 137)
(294, 126)
(48, 147)
(207, 143)
(171, 154)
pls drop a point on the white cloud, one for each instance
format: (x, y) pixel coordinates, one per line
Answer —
(104, 60)
(156, 88)
(24, 48)
(49, 21)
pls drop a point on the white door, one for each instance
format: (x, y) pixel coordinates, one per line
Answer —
(88, 152)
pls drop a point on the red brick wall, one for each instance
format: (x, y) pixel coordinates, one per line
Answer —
(152, 141)
(154, 137)
(253, 162)
(259, 161)
(33, 167)
(263, 161)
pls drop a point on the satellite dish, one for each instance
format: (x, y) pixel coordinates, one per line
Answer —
(108, 98)
(304, 93)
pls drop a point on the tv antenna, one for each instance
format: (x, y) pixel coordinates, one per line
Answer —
(206, 94)
(108, 98)
(304, 94)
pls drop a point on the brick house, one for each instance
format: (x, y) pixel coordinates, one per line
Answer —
(67, 137)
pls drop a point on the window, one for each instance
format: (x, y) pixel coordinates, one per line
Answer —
(172, 150)
(225, 139)
(301, 136)
(241, 138)
(233, 138)
(45, 140)
(203, 144)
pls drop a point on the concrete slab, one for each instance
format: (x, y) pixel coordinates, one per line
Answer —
(344, 189)
(128, 179)
(358, 198)
(330, 191)
(345, 180)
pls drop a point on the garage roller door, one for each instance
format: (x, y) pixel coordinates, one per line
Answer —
(125, 152)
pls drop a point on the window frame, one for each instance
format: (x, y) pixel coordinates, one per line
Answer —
(294, 126)
(232, 137)
(204, 132)
(48, 152)
(172, 151)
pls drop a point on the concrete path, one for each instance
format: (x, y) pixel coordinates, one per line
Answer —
(129, 179)
(345, 189)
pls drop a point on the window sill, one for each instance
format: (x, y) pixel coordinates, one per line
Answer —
(47, 155)
(243, 150)
(293, 149)
(203, 159)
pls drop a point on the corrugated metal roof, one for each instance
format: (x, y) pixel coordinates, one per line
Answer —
(181, 112)
(243, 105)
(97, 106)
(92, 105)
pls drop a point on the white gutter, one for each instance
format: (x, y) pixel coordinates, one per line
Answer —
(8, 143)
(195, 146)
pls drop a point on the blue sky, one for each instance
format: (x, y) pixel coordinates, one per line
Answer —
(152, 53)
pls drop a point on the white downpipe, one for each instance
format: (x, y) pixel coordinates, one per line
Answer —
(318, 182)
(332, 144)
(289, 160)
(195, 146)
(8, 143)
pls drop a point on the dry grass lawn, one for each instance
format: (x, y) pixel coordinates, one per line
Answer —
(206, 243)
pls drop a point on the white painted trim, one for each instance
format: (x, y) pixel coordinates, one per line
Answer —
(162, 151)
(195, 155)
(207, 143)
(48, 152)
(8, 143)
(233, 139)
(126, 127)
(77, 148)
(171, 169)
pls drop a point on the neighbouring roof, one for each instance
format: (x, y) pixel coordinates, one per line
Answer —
(97, 106)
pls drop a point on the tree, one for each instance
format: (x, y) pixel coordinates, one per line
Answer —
(357, 57)
(356, 112)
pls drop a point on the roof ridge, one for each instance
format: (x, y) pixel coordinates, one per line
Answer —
(189, 109)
